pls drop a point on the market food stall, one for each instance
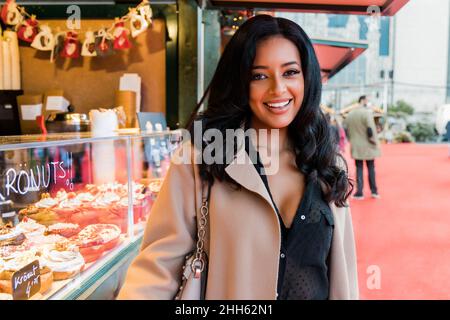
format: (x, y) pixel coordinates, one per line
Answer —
(77, 186)
(79, 222)
(74, 203)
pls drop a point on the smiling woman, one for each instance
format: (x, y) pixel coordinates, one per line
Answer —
(277, 84)
(268, 63)
(283, 235)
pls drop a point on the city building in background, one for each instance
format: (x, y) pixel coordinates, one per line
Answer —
(421, 60)
(407, 57)
(368, 74)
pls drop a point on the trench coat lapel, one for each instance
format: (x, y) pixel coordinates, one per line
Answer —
(243, 171)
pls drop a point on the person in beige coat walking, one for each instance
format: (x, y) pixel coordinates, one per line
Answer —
(280, 231)
(362, 134)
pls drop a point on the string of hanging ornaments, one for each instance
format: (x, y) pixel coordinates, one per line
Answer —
(67, 44)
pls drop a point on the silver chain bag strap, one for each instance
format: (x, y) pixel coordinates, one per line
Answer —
(193, 282)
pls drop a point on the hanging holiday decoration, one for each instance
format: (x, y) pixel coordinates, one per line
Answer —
(121, 36)
(60, 38)
(146, 11)
(67, 44)
(88, 48)
(10, 13)
(28, 29)
(103, 43)
(71, 47)
(137, 22)
(44, 40)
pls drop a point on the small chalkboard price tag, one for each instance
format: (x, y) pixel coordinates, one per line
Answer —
(26, 282)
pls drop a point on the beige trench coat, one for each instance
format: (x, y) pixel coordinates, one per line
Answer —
(244, 243)
(356, 123)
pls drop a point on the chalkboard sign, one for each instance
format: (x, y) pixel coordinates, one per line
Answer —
(27, 281)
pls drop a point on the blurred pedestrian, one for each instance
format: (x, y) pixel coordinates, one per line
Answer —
(342, 136)
(338, 133)
(362, 134)
(447, 135)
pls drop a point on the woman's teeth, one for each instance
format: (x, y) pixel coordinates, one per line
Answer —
(279, 104)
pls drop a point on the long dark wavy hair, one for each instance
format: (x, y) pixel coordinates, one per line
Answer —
(228, 106)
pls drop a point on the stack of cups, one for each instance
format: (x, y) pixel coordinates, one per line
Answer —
(127, 100)
(104, 123)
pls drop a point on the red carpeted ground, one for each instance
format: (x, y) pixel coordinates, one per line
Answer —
(405, 235)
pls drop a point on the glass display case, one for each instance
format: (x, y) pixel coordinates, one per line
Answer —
(73, 207)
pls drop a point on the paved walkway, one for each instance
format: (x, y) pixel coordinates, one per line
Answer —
(403, 239)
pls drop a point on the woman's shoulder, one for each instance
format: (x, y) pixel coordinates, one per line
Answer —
(185, 160)
(185, 154)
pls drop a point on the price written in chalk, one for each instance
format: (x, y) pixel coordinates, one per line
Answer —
(27, 281)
